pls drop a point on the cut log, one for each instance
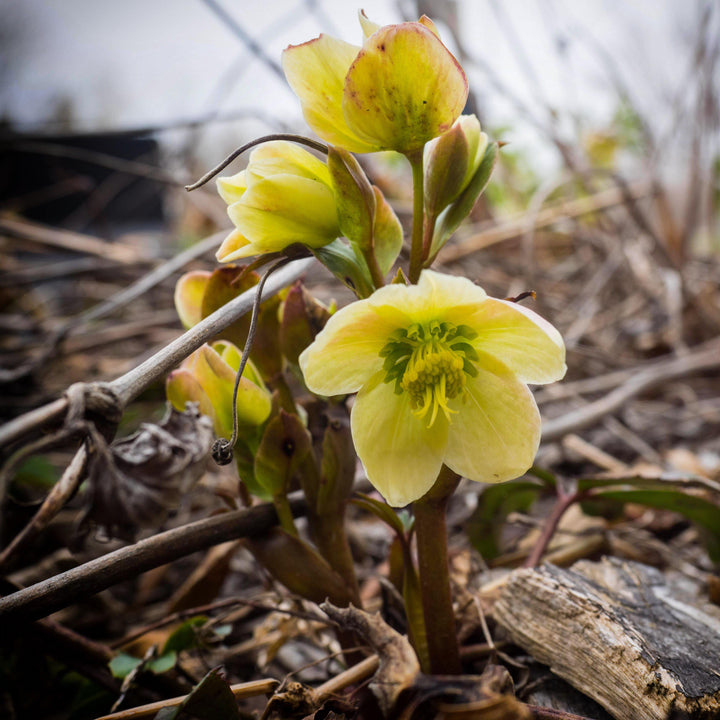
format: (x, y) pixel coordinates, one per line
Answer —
(615, 632)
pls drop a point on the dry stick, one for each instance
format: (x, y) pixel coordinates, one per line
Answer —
(120, 299)
(61, 492)
(515, 227)
(68, 240)
(62, 590)
(130, 385)
(706, 359)
(240, 691)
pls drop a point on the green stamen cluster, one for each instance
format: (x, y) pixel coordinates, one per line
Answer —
(431, 363)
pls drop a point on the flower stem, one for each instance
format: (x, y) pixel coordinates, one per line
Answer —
(328, 533)
(563, 502)
(375, 272)
(284, 513)
(434, 570)
(416, 247)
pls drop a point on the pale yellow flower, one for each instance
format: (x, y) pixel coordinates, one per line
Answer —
(400, 89)
(207, 377)
(441, 370)
(284, 196)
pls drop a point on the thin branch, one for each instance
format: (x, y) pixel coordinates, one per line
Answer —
(706, 359)
(50, 595)
(128, 386)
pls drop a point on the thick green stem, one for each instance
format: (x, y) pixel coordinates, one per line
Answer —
(428, 231)
(284, 513)
(434, 570)
(416, 247)
(328, 532)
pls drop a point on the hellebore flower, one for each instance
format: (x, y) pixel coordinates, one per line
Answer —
(401, 89)
(207, 377)
(441, 370)
(284, 196)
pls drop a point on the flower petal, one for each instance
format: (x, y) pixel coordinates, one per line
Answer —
(316, 73)
(403, 89)
(529, 345)
(232, 187)
(285, 209)
(189, 291)
(368, 26)
(280, 158)
(235, 246)
(401, 455)
(346, 353)
(443, 297)
(496, 432)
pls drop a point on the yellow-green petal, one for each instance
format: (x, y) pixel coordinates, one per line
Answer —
(182, 387)
(232, 187)
(368, 26)
(496, 432)
(316, 73)
(286, 209)
(442, 297)
(346, 353)
(403, 89)
(189, 291)
(235, 246)
(280, 157)
(522, 340)
(401, 455)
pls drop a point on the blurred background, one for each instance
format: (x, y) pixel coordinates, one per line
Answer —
(605, 200)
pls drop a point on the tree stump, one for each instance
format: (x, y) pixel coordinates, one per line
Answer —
(615, 632)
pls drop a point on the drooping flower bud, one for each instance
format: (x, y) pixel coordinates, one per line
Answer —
(283, 197)
(207, 377)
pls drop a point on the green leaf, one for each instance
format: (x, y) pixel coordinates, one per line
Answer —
(344, 264)
(162, 664)
(495, 503)
(699, 511)
(381, 510)
(185, 636)
(123, 664)
(211, 699)
(299, 567)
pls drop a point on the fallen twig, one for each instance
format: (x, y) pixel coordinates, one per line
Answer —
(62, 590)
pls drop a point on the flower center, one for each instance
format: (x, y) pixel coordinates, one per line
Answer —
(431, 363)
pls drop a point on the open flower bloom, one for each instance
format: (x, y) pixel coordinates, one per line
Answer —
(401, 89)
(284, 196)
(207, 377)
(441, 370)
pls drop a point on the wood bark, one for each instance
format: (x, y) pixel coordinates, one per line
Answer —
(616, 632)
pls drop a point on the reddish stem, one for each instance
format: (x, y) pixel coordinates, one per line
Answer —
(564, 501)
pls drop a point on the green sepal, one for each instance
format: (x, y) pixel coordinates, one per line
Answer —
(387, 232)
(284, 445)
(450, 218)
(346, 266)
(354, 198)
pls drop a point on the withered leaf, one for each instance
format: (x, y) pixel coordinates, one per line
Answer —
(136, 481)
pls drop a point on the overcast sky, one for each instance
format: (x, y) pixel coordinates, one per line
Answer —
(146, 62)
